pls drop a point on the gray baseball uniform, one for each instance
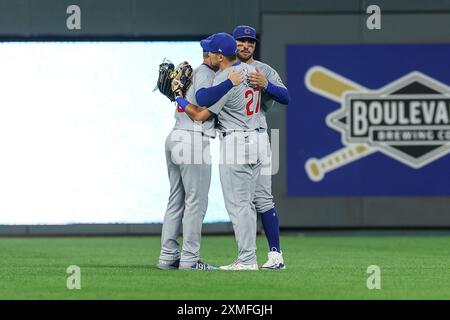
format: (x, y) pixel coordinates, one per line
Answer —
(263, 199)
(237, 120)
(189, 169)
(272, 76)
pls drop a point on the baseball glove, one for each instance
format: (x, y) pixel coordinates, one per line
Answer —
(182, 78)
(164, 79)
(172, 80)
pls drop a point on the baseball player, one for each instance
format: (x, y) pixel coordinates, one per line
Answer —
(273, 88)
(189, 169)
(237, 123)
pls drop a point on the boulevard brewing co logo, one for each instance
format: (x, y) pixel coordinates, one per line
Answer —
(407, 120)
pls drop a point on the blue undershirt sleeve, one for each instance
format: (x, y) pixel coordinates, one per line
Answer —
(206, 97)
(279, 94)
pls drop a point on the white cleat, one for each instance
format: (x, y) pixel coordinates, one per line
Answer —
(275, 261)
(237, 266)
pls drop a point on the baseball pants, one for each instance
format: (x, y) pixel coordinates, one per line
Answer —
(239, 170)
(188, 200)
(263, 199)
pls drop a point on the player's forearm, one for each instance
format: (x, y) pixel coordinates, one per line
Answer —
(277, 93)
(194, 112)
(208, 96)
(197, 113)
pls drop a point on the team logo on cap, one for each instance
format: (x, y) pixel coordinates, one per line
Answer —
(247, 31)
(407, 120)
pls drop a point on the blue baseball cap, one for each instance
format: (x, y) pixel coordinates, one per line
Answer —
(241, 32)
(205, 44)
(222, 43)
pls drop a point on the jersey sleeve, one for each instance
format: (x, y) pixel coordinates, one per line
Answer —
(276, 90)
(273, 77)
(218, 106)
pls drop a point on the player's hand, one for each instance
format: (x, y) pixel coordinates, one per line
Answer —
(176, 84)
(257, 79)
(236, 77)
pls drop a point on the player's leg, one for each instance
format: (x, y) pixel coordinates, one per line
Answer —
(265, 207)
(269, 218)
(196, 180)
(169, 257)
(237, 182)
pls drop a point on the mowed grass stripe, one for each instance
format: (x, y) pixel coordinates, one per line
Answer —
(317, 268)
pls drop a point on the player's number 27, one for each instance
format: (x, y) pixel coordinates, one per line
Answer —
(250, 95)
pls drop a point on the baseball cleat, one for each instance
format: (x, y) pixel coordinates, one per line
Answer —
(275, 261)
(168, 265)
(237, 266)
(200, 265)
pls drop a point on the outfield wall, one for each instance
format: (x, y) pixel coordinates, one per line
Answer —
(350, 197)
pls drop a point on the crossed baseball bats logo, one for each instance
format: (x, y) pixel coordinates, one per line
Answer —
(333, 86)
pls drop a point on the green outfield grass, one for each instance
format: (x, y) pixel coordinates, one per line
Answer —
(318, 268)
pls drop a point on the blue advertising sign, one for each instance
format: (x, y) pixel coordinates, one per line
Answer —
(368, 120)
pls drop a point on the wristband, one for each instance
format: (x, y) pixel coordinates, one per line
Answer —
(181, 102)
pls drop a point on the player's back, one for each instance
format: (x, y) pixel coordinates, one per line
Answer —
(239, 108)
